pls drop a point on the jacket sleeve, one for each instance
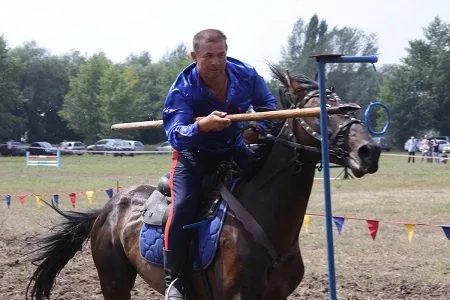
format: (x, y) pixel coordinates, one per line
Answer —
(262, 97)
(178, 120)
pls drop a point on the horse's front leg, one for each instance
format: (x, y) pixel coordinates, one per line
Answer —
(287, 276)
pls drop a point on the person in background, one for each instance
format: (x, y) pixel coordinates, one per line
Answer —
(411, 144)
(213, 86)
(435, 147)
(424, 147)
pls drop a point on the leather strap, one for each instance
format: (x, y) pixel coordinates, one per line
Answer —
(249, 223)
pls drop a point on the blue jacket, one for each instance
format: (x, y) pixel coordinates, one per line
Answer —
(189, 98)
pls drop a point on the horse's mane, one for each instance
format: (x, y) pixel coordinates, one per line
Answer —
(306, 82)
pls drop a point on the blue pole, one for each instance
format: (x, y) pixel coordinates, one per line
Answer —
(326, 180)
(346, 59)
(321, 61)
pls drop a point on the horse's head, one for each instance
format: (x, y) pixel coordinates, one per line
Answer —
(349, 141)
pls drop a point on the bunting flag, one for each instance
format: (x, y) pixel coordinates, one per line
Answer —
(373, 227)
(73, 199)
(56, 200)
(8, 200)
(306, 222)
(38, 201)
(109, 192)
(410, 230)
(90, 196)
(446, 229)
(339, 221)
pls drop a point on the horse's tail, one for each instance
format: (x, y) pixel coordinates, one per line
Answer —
(55, 250)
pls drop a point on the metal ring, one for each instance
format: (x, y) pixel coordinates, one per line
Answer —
(368, 123)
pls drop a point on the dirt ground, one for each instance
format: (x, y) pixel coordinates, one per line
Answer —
(78, 280)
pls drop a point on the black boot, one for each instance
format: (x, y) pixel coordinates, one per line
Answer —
(173, 263)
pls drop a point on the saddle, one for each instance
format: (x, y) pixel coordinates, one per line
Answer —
(156, 209)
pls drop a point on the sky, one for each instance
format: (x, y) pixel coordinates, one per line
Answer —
(256, 30)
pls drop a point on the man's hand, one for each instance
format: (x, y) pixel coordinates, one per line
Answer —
(215, 121)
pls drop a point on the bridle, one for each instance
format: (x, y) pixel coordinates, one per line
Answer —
(337, 139)
(286, 137)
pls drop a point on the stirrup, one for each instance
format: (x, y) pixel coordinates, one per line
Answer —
(170, 287)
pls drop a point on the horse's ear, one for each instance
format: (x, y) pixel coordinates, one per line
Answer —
(279, 75)
(289, 80)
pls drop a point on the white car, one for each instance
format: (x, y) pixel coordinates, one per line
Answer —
(136, 145)
(164, 147)
(77, 148)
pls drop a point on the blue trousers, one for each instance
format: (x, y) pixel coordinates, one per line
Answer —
(186, 175)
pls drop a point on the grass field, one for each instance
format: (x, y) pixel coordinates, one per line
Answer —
(388, 267)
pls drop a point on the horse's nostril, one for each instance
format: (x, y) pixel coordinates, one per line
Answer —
(369, 153)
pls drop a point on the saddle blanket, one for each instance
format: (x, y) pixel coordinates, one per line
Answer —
(151, 240)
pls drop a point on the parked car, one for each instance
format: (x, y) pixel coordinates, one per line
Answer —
(42, 148)
(443, 144)
(136, 145)
(384, 144)
(164, 147)
(440, 138)
(99, 146)
(12, 148)
(71, 147)
(119, 148)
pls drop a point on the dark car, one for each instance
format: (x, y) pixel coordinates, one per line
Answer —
(42, 148)
(100, 146)
(12, 148)
(119, 148)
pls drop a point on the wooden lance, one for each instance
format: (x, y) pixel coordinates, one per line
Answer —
(253, 116)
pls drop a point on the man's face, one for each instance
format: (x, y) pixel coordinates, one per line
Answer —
(211, 59)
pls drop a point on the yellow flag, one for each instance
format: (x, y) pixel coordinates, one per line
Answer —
(410, 230)
(306, 222)
(90, 196)
(38, 201)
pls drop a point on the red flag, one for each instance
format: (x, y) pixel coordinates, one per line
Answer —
(22, 199)
(373, 227)
(73, 199)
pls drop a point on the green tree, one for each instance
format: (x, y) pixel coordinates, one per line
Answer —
(12, 114)
(353, 82)
(119, 100)
(154, 81)
(417, 91)
(303, 42)
(81, 107)
(44, 80)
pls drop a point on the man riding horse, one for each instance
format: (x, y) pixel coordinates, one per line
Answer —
(214, 85)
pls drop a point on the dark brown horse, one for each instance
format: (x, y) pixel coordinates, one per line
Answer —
(244, 267)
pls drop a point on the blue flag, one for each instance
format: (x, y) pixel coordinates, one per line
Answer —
(446, 229)
(8, 200)
(56, 200)
(109, 192)
(339, 221)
